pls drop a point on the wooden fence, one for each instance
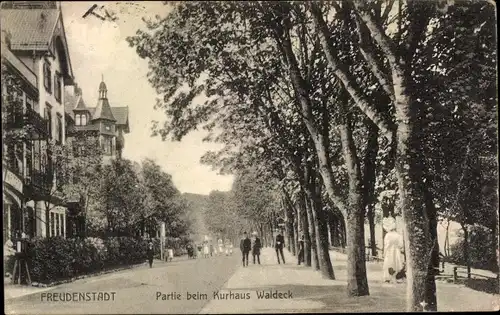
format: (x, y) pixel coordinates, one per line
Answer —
(457, 272)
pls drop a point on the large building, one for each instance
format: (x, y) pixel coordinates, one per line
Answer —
(107, 123)
(34, 53)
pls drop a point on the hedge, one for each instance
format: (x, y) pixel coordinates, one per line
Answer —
(57, 258)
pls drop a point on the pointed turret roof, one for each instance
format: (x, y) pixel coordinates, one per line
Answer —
(80, 105)
(103, 109)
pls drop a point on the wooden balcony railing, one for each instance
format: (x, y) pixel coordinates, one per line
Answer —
(40, 182)
(30, 119)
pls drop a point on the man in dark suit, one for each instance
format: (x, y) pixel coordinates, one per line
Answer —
(245, 247)
(256, 247)
(278, 245)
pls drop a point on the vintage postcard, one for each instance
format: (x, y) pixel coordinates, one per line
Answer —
(184, 157)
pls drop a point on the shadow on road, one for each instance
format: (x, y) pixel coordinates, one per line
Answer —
(334, 298)
(482, 285)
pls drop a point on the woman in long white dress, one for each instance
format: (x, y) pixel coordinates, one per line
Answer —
(393, 247)
(206, 250)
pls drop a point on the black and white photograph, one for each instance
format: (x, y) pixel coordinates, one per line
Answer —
(250, 157)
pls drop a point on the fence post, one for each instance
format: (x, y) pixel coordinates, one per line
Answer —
(455, 277)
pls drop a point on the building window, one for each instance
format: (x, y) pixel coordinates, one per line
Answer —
(59, 129)
(84, 120)
(58, 224)
(37, 155)
(107, 145)
(57, 87)
(29, 160)
(11, 156)
(47, 77)
(52, 224)
(78, 120)
(48, 116)
(14, 105)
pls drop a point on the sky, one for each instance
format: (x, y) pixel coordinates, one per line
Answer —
(98, 48)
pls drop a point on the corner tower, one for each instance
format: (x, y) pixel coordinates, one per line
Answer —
(103, 117)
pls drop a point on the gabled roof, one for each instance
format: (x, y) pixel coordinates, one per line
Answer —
(37, 30)
(30, 29)
(120, 114)
(80, 104)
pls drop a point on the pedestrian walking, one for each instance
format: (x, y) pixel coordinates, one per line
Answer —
(200, 249)
(206, 250)
(278, 245)
(211, 248)
(393, 247)
(170, 252)
(256, 246)
(150, 253)
(301, 249)
(245, 247)
(190, 251)
(220, 245)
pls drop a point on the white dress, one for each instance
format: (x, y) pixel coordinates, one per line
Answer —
(393, 258)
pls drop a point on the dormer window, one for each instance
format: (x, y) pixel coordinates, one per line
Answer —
(78, 120)
(84, 120)
(47, 77)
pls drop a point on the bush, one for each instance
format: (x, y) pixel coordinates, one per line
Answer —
(57, 258)
(482, 249)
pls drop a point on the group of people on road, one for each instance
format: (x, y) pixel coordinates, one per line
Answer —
(254, 245)
(206, 249)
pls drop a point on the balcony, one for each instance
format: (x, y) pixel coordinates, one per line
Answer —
(39, 183)
(37, 125)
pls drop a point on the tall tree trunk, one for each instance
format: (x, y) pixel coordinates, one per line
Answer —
(369, 177)
(371, 224)
(271, 228)
(305, 230)
(292, 235)
(447, 239)
(408, 170)
(466, 247)
(312, 233)
(408, 154)
(290, 223)
(357, 283)
(262, 235)
(320, 228)
(430, 291)
(343, 233)
(333, 230)
(296, 220)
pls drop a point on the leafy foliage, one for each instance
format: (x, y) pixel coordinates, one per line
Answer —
(56, 258)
